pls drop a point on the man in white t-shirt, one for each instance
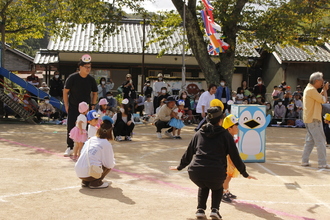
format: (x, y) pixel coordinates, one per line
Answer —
(204, 104)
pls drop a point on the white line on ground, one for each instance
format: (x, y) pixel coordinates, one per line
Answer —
(2, 198)
(272, 202)
(299, 189)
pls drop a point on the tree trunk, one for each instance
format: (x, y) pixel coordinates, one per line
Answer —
(197, 43)
(3, 46)
(226, 66)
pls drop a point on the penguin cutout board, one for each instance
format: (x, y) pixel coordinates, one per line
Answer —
(252, 124)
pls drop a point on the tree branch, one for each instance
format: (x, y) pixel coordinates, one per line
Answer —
(20, 29)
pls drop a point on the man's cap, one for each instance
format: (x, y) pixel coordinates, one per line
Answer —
(128, 75)
(170, 99)
(229, 121)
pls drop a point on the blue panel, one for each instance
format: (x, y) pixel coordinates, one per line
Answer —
(252, 131)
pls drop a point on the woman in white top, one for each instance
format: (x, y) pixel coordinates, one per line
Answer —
(123, 122)
(157, 89)
(100, 153)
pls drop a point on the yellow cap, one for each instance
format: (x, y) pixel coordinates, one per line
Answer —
(327, 116)
(217, 103)
(229, 121)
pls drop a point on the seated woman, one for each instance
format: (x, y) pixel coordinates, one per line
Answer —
(97, 151)
(123, 122)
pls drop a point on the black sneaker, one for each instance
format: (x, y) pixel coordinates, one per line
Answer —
(200, 213)
(215, 214)
(232, 196)
(178, 137)
(226, 198)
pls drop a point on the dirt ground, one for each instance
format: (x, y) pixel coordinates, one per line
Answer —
(39, 183)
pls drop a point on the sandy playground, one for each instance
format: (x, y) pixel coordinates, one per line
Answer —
(39, 183)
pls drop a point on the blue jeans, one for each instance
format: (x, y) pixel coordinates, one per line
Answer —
(315, 136)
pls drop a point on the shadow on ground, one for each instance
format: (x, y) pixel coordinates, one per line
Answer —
(108, 193)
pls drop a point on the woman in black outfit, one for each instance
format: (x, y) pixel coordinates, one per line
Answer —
(211, 145)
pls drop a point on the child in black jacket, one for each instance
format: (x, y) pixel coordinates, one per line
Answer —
(211, 145)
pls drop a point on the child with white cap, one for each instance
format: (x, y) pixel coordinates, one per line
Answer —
(79, 134)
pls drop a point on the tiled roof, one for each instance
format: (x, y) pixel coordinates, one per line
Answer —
(128, 40)
(20, 53)
(46, 57)
(308, 54)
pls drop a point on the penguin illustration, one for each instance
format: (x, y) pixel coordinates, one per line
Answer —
(252, 122)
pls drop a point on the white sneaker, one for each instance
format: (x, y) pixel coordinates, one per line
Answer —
(168, 134)
(118, 138)
(68, 152)
(104, 185)
(128, 138)
(159, 135)
(327, 166)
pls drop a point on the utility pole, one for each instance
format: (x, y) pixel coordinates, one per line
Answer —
(183, 83)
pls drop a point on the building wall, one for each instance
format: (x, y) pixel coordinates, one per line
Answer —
(293, 73)
(273, 73)
(14, 62)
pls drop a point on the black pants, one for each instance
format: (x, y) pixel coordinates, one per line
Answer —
(163, 124)
(122, 129)
(139, 108)
(206, 182)
(201, 123)
(156, 104)
(71, 122)
(326, 132)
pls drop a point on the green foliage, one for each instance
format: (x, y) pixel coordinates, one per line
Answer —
(261, 23)
(31, 19)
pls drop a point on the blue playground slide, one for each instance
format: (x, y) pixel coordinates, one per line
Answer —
(34, 90)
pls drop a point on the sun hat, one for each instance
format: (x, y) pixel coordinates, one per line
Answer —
(128, 75)
(92, 115)
(327, 116)
(103, 101)
(83, 106)
(107, 118)
(229, 121)
(125, 102)
(217, 103)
